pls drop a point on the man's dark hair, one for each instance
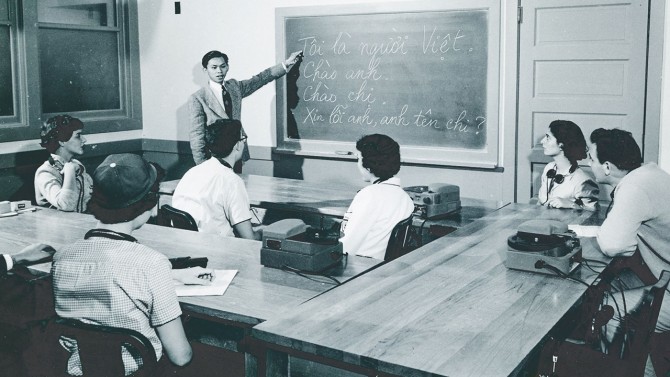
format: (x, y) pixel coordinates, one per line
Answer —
(211, 55)
(222, 136)
(618, 147)
(570, 135)
(380, 154)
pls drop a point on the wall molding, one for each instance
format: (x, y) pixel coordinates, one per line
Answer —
(184, 147)
(37, 156)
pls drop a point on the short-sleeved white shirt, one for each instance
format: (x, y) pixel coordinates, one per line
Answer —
(215, 196)
(373, 213)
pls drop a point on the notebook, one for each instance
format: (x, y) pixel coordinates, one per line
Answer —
(222, 279)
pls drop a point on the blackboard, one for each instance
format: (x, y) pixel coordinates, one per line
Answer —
(426, 76)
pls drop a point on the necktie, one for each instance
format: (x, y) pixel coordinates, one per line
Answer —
(227, 102)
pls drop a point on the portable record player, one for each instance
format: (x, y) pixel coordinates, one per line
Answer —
(434, 200)
(291, 243)
(542, 246)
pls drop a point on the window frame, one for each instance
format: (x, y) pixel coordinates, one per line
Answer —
(27, 119)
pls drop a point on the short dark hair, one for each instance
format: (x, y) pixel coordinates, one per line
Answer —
(211, 55)
(222, 136)
(58, 128)
(618, 147)
(380, 154)
(570, 135)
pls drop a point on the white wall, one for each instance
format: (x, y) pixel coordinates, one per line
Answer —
(171, 47)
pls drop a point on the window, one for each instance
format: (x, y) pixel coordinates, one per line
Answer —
(6, 79)
(70, 56)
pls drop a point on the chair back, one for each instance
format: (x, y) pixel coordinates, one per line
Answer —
(397, 245)
(626, 355)
(99, 347)
(176, 218)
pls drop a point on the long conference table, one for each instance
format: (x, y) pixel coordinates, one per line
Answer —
(450, 308)
(256, 293)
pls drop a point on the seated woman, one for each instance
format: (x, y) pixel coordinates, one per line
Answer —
(564, 184)
(62, 182)
(377, 208)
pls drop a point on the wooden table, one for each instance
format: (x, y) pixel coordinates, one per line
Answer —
(449, 308)
(256, 293)
(333, 200)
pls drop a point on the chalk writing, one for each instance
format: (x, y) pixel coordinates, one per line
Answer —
(420, 79)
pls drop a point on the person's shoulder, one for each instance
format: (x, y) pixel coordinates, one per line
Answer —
(45, 167)
(206, 167)
(582, 175)
(228, 177)
(200, 93)
(70, 250)
(648, 177)
(140, 254)
(548, 167)
(368, 192)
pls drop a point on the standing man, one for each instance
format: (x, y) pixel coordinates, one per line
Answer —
(222, 99)
(640, 211)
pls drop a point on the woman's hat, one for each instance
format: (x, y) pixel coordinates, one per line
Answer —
(124, 186)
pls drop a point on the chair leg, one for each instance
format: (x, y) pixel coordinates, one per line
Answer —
(660, 353)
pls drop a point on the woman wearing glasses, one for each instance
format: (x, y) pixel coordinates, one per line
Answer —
(564, 184)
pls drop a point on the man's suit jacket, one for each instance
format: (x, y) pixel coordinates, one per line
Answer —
(205, 109)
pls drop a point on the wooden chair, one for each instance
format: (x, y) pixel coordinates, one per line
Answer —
(398, 245)
(100, 349)
(580, 356)
(175, 218)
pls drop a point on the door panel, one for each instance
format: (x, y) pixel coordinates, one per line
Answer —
(581, 60)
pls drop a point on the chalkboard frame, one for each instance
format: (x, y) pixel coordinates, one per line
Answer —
(486, 158)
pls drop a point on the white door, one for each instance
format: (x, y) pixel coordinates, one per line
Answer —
(580, 60)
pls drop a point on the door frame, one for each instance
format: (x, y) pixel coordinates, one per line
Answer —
(653, 90)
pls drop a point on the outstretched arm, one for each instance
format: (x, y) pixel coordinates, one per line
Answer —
(251, 85)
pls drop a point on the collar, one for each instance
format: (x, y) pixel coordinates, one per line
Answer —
(572, 169)
(223, 162)
(216, 86)
(393, 181)
(110, 234)
(58, 158)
